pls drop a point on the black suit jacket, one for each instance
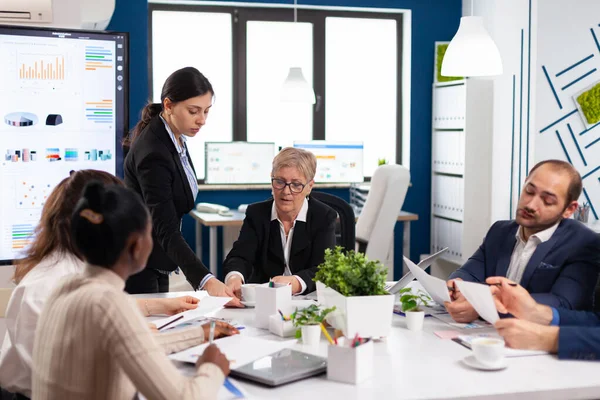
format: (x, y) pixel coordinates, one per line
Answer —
(153, 169)
(258, 252)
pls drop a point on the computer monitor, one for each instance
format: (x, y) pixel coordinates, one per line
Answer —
(337, 162)
(238, 162)
(63, 107)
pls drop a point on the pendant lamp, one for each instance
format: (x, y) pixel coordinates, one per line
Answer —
(295, 87)
(472, 52)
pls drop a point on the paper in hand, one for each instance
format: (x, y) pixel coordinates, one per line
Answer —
(206, 306)
(437, 288)
(480, 297)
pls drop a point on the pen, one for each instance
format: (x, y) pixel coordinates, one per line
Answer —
(329, 339)
(233, 389)
(489, 284)
(282, 316)
(211, 334)
(170, 322)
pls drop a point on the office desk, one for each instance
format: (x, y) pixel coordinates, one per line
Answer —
(212, 221)
(419, 365)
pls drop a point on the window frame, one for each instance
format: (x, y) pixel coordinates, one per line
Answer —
(314, 15)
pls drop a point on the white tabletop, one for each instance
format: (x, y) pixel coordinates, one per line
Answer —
(419, 365)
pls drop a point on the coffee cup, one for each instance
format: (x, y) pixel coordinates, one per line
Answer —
(249, 292)
(488, 351)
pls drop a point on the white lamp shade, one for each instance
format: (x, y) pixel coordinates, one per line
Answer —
(296, 88)
(472, 52)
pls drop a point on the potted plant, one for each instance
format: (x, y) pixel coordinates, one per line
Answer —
(356, 287)
(411, 306)
(309, 320)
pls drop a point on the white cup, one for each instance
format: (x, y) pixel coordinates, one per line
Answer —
(488, 351)
(249, 291)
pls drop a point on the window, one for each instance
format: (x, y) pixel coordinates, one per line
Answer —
(247, 53)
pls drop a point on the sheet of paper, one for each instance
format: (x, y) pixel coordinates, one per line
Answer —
(239, 349)
(206, 306)
(480, 297)
(508, 352)
(445, 317)
(224, 393)
(436, 287)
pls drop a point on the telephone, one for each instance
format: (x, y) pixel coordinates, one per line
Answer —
(213, 209)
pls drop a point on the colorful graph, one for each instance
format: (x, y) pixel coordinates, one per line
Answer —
(31, 194)
(99, 112)
(42, 68)
(98, 57)
(21, 235)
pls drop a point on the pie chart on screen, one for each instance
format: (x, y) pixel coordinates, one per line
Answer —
(21, 119)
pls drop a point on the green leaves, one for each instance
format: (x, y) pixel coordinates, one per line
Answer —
(589, 101)
(311, 315)
(412, 302)
(351, 273)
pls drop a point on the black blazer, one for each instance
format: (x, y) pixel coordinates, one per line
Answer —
(258, 252)
(154, 170)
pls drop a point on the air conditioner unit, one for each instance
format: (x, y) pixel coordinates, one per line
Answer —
(24, 11)
(68, 14)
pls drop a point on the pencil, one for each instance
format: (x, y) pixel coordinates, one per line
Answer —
(170, 322)
(329, 339)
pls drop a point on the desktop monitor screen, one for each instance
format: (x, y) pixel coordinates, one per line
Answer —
(239, 162)
(339, 162)
(63, 107)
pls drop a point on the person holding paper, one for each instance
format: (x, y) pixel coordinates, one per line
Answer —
(159, 168)
(50, 257)
(555, 258)
(569, 333)
(91, 342)
(284, 238)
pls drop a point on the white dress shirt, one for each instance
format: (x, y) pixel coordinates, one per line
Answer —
(524, 250)
(22, 314)
(286, 243)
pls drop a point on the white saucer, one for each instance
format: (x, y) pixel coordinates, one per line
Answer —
(250, 304)
(472, 362)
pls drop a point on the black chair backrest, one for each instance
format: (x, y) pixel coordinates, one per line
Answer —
(345, 212)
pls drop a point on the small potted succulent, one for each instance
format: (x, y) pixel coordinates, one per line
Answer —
(309, 321)
(356, 287)
(411, 306)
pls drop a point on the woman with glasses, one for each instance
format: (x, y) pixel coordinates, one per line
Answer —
(284, 238)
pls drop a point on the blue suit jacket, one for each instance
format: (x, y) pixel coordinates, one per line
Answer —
(561, 273)
(575, 341)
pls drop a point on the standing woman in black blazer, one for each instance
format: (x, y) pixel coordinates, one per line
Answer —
(284, 238)
(158, 167)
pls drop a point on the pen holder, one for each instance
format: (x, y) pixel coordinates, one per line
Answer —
(281, 328)
(350, 364)
(268, 301)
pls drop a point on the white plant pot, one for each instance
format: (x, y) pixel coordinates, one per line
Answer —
(367, 316)
(311, 334)
(414, 320)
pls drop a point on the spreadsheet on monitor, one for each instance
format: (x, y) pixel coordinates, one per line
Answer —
(238, 162)
(339, 162)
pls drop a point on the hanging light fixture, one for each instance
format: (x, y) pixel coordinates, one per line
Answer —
(295, 87)
(472, 52)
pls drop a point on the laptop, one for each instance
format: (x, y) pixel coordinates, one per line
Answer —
(408, 278)
(281, 367)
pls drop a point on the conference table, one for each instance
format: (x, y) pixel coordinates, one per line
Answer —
(420, 365)
(236, 219)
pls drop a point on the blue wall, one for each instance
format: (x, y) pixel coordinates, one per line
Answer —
(432, 20)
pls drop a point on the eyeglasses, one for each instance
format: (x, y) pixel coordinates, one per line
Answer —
(280, 184)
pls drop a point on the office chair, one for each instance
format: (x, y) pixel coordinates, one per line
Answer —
(376, 222)
(346, 218)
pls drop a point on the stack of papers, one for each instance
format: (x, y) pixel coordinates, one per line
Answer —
(239, 349)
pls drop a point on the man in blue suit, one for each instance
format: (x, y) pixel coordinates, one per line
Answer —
(555, 258)
(569, 333)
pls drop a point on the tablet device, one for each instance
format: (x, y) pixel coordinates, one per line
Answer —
(408, 278)
(281, 367)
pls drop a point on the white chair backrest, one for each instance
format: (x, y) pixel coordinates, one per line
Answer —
(376, 222)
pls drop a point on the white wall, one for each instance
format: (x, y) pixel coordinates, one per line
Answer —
(505, 20)
(564, 39)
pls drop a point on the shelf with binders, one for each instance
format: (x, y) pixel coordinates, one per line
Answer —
(447, 233)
